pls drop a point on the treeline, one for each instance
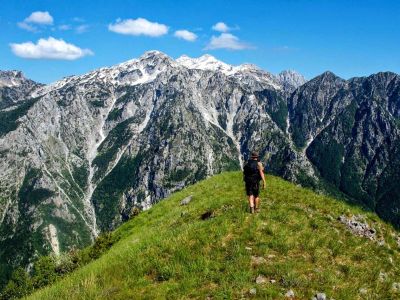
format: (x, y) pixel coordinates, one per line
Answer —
(48, 269)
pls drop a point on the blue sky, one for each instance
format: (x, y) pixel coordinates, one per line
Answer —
(349, 38)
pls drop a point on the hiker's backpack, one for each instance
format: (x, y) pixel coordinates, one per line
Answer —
(251, 173)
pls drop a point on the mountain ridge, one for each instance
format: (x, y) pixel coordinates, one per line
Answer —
(89, 149)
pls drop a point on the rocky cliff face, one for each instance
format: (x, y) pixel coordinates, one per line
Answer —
(14, 88)
(290, 80)
(354, 142)
(77, 155)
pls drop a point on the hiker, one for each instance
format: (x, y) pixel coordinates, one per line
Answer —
(253, 172)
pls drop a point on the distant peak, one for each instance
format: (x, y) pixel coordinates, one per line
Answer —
(208, 57)
(209, 62)
(11, 78)
(327, 75)
(183, 56)
(384, 75)
(12, 73)
(248, 66)
(203, 58)
(153, 53)
(291, 79)
(290, 72)
(205, 62)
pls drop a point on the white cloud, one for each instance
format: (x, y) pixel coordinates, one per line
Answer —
(64, 27)
(226, 41)
(139, 26)
(50, 48)
(186, 35)
(78, 19)
(221, 27)
(26, 26)
(40, 17)
(78, 29)
(82, 28)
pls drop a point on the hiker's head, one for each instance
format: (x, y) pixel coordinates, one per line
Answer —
(254, 155)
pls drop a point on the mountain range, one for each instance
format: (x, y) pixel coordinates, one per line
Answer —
(80, 155)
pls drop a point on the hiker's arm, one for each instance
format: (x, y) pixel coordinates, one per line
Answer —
(261, 169)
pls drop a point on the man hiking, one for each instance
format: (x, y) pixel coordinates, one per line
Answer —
(253, 172)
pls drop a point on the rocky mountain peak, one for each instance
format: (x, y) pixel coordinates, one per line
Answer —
(206, 62)
(209, 62)
(248, 73)
(11, 78)
(149, 59)
(155, 57)
(384, 78)
(132, 72)
(153, 53)
(329, 76)
(250, 67)
(291, 79)
(326, 80)
(15, 88)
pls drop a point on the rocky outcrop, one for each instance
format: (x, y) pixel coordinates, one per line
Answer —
(358, 226)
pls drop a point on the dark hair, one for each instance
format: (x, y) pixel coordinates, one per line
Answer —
(254, 154)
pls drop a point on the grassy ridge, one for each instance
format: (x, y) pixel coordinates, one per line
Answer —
(169, 252)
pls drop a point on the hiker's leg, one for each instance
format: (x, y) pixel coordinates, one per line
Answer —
(251, 203)
(257, 202)
(256, 194)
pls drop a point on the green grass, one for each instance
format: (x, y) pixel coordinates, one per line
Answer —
(168, 252)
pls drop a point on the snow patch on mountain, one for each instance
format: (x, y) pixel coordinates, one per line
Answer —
(206, 62)
(210, 63)
(244, 71)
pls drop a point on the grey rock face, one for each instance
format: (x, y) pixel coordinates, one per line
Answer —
(352, 136)
(313, 106)
(77, 155)
(291, 80)
(15, 88)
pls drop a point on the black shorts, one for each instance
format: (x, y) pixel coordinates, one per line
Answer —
(253, 188)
